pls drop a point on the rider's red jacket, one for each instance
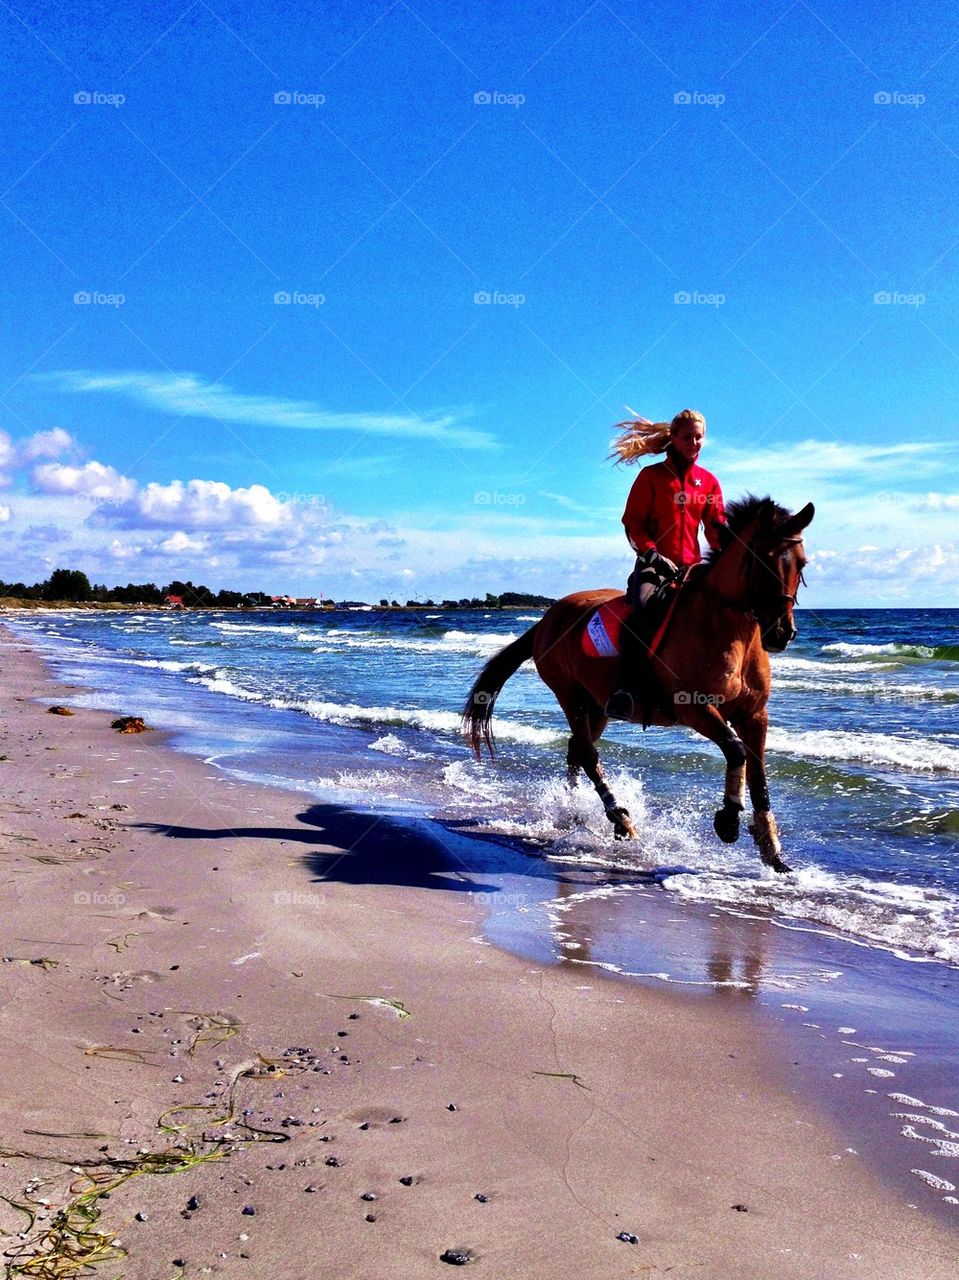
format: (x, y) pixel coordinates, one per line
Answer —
(666, 506)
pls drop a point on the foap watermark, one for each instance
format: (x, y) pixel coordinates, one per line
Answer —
(696, 298)
(494, 498)
(294, 98)
(895, 98)
(298, 898)
(315, 501)
(96, 898)
(494, 98)
(296, 298)
(696, 698)
(693, 98)
(94, 98)
(502, 900)
(681, 498)
(94, 298)
(896, 298)
(494, 298)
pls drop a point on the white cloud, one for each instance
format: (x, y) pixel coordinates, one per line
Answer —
(938, 502)
(46, 444)
(178, 543)
(206, 504)
(92, 480)
(4, 513)
(184, 394)
(811, 464)
(123, 550)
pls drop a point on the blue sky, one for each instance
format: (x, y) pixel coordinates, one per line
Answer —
(665, 205)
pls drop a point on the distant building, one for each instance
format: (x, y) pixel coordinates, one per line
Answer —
(173, 602)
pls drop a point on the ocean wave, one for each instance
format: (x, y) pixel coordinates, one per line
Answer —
(925, 755)
(478, 643)
(409, 717)
(169, 664)
(783, 663)
(220, 682)
(391, 745)
(942, 652)
(251, 628)
(872, 688)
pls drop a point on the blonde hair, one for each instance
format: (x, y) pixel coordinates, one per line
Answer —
(639, 437)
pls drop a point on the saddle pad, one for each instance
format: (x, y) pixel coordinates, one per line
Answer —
(601, 637)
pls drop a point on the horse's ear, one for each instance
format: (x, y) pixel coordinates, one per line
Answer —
(795, 524)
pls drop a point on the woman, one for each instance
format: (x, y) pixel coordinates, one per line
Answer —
(667, 504)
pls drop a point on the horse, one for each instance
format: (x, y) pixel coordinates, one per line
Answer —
(711, 666)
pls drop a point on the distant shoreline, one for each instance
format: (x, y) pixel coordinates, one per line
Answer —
(12, 603)
(8, 603)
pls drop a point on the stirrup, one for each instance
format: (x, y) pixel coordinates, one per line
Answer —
(621, 705)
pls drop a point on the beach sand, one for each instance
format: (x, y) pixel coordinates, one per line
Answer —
(189, 964)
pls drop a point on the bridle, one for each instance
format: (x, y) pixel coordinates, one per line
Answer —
(784, 597)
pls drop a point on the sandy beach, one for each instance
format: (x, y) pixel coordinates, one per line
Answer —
(247, 1035)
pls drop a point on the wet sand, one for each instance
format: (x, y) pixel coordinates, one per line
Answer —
(187, 1024)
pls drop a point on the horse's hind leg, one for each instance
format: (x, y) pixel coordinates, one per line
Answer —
(582, 754)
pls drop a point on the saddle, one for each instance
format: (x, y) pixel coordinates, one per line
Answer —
(601, 639)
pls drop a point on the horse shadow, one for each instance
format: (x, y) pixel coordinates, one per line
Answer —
(361, 848)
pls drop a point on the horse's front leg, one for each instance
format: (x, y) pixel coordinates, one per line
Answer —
(763, 827)
(706, 719)
(726, 820)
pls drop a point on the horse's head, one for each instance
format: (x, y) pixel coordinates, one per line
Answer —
(763, 554)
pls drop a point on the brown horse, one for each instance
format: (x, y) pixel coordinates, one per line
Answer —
(712, 665)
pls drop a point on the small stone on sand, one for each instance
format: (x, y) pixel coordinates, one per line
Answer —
(458, 1257)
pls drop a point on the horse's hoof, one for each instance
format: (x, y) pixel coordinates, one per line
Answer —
(726, 824)
(623, 828)
(776, 863)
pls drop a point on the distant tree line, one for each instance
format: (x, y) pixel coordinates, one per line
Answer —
(72, 586)
(506, 600)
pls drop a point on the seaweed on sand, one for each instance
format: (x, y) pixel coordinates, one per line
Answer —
(72, 1243)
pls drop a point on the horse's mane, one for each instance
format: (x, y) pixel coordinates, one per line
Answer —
(741, 514)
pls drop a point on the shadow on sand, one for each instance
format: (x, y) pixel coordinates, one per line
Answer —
(370, 848)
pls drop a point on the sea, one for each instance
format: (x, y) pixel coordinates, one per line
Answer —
(853, 958)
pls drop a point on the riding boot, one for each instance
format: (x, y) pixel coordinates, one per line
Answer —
(634, 672)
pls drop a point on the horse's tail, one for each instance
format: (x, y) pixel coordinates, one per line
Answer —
(478, 712)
